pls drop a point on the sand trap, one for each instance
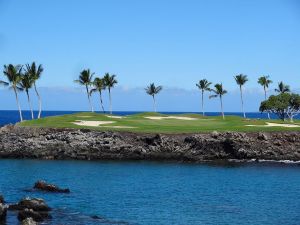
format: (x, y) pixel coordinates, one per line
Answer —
(115, 117)
(274, 125)
(170, 117)
(92, 123)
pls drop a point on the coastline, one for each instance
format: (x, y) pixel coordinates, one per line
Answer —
(84, 144)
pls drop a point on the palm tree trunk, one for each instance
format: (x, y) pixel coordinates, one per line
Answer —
(154, 103)
(222, 107)
(88, 95)
(242, 101)
(29, 102)
(110, 105)
(20, 111)
(40, 100)
(266, 99)
(202, 102)
(101, 101)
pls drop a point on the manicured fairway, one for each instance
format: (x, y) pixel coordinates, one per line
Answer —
(159, 123)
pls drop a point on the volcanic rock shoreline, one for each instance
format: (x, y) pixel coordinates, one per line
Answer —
(82, 144)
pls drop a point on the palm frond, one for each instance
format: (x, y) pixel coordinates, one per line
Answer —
(110, 80)
(34, 71)
(85, 77)
(153, 90)
(204, 85)
(282, 88)
(13, 74)
(219, 91)
(264, 81)
(3, 83)
(241, 79)
(213, 96)
(19, 88)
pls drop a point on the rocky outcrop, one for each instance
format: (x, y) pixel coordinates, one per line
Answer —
(28, 221)
(35, 204)
(43, 186)
(37, 216)
(3, 212)
(82, 144)
(34, 208)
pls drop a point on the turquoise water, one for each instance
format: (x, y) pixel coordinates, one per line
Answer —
(159, 193)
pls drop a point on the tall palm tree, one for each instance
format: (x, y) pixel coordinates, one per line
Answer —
(26, 83)
(35, 74)
(282, 88)
(14, 77)
(153, 90)
(99, 86)
(219, 92)
(203, 85)
(265, 81)
(85, 79)
(241, 79)
(109, 82)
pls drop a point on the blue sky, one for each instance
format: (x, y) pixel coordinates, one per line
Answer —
(172, 43)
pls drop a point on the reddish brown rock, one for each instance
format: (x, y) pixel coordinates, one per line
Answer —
(43, 186)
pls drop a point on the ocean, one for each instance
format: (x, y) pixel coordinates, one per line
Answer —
(157, 193)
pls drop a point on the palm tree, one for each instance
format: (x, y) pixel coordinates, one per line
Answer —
(241, 79)
(282, 88)
(153, 90)
(26, 83)
(14, 76)
(85, 78)
(35, 73)
(98, 84)
(265, 81)
(219, 92)
(109, 82)
(203, 85)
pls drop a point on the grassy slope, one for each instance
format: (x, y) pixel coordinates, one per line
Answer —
(141, 124)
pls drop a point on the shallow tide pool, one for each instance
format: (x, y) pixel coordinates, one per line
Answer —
(157, 192)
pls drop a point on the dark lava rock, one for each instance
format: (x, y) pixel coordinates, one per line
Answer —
(154, 140)
(48, 143)
(35, 204)
(29, 221)
(37, 216)
(3, 211)
(1, 199)
(43, 186)
(262, 136)
(215, 134)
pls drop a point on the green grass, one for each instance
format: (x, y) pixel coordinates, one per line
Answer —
(142, 124)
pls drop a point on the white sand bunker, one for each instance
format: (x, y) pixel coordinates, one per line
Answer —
(274, 125)
(170, 117)
(92, 123)
(115, 117)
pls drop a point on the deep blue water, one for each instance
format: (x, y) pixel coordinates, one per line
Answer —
(12, 116)
(154, 193)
